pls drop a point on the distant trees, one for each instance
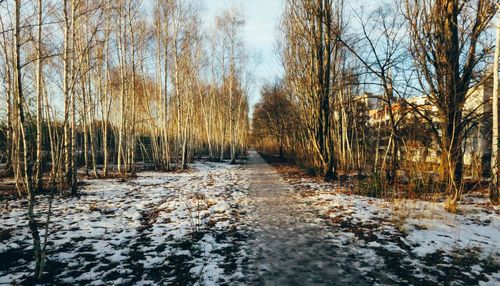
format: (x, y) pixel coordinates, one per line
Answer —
(91, 84)
(231, 58)
(275, 120)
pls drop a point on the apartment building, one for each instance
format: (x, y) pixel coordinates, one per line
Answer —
(477, 110)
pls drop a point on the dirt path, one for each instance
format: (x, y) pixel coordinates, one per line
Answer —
(222, 224)
(292, 246)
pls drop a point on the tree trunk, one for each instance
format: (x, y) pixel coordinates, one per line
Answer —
(39, 131)
(73, 157)
(494, 189)
(452, 160)
(9, 168)
(24, 151)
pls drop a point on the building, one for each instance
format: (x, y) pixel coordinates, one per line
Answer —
(477, 109)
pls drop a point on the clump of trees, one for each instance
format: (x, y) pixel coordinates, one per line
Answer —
(110, 86)
(447, 52)
(351, 77)
(312, 58)
(275, 120)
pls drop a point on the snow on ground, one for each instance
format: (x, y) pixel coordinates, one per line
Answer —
(413, 242)
(244, 224)
(179, 228)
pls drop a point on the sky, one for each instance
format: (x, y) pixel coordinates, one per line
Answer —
(259, 35)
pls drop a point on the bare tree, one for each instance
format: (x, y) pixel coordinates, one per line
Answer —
(380, 47)
(445, 37)
(312, 60)
(9, 99)
(494, 192)
(23, 152)
(39, 114)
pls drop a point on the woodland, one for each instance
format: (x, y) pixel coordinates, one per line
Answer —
(133, 121)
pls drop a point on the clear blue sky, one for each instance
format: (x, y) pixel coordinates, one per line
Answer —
(261, 20)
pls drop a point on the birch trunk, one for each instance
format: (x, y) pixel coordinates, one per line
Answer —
(494, 192)
(39, 114)
(23, 152)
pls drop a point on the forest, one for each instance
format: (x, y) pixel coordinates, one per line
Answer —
(133, 152)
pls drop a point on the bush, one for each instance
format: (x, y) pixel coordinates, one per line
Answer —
(373, 186)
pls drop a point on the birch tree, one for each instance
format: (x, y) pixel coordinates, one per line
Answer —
(39, 108)
(24, 147)
(494, 192)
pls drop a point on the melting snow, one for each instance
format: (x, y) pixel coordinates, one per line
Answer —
(156, 228)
